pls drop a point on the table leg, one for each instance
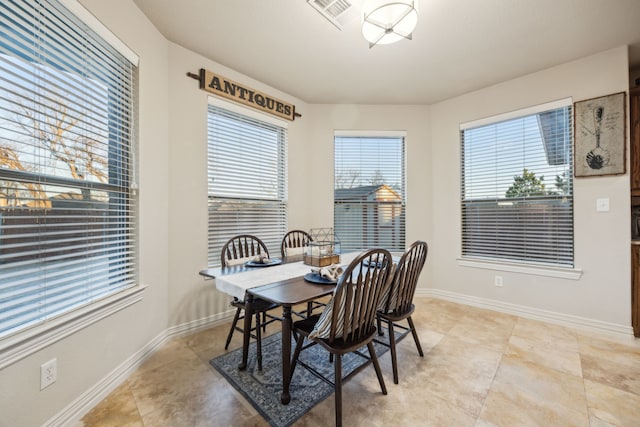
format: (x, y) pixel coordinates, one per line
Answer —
(246, 336)
(285, 398)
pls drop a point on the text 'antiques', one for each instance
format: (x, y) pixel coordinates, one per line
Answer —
(235, 91)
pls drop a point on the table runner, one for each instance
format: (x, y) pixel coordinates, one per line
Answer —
(236, 284)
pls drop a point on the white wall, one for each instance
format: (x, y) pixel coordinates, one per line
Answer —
(602, 240)
(191, 298)
(86, 357)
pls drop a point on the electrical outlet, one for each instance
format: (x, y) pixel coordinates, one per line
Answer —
(48, 373)
(602, 205)
(498, 281)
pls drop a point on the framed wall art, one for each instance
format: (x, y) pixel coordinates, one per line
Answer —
(599, 136)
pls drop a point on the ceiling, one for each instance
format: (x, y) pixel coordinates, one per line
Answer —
(458, 46)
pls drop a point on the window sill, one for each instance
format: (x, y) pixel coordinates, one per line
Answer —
(22, 344)
(487, 264)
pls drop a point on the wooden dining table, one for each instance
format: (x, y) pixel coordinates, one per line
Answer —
(285, 292)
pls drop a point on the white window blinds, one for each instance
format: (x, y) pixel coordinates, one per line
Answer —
(517, 188)
(369, 192)
(247, 180)
(67, 212)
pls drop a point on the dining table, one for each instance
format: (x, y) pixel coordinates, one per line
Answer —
(281, 283)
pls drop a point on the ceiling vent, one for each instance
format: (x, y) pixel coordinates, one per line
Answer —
(338, 12)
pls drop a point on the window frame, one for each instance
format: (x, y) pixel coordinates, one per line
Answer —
(373, 134)
(272, 238)
(512, 265)
(32, 338)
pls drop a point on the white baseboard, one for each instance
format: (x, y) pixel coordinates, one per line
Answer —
(90, 398)
(591, 325)
(205, 322)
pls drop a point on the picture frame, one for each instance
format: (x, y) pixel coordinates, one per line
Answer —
(600, 136)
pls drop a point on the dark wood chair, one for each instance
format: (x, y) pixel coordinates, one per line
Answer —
(349, 320)
(397, 304)
(294, 244)
(238, 250)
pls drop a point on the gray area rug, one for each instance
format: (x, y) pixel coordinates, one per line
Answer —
(263, 388)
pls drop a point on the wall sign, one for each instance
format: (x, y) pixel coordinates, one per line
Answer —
(229, 89)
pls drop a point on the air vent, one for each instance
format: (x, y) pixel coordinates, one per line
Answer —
(338, 12)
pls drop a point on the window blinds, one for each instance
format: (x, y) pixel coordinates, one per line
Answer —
(67, 214)
(369, 192)
(247, 180)
(517, 189)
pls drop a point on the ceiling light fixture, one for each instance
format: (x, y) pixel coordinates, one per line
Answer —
(387, 21)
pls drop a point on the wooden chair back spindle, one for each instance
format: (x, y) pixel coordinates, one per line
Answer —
(241, 247)
(357, 296)
(294, 239)
(399, 298)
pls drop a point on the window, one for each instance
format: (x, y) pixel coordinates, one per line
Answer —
(67, 211)
(247, 178)
(517, 187)
(369, 191)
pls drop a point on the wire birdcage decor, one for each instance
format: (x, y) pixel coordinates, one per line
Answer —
(323, 249)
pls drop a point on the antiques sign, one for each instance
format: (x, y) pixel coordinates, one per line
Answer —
(235, 91)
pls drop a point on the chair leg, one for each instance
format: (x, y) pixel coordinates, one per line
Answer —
(415, 336)
(296, 353)
(258, 341)
(233, 327)
(338, 383)
(380, 333)
(309, 308)
(392, 345)
(376, 365)
(264, 322)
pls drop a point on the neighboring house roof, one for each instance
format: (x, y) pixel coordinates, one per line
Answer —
(365, 192)
(556, 144)
(61, 200)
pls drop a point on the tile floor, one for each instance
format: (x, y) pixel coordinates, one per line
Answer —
(481, 368)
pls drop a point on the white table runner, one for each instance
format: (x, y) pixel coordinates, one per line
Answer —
(236, 284)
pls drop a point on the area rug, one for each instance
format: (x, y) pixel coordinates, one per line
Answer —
(263, 388)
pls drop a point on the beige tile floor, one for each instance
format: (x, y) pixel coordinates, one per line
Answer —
(480, 368)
